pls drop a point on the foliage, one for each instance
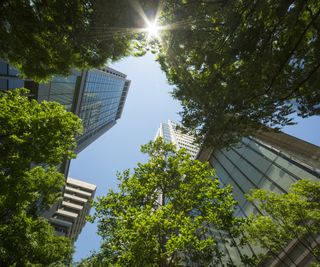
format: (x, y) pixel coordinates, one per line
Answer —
(34, 192)
(95, 260)
(42, 38)
(34, 138)
(240, 65)
(164, 213)
(295, 215)
(35, 133)
(29, 241)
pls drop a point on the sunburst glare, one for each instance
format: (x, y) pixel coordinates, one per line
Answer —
(153, 30)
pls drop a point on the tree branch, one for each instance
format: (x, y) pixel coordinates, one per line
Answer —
(292, 52)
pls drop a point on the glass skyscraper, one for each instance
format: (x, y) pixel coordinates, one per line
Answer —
(101, 103)
(97, 96)
(59, 89)
(270, 161)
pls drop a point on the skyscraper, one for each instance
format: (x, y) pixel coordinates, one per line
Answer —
(102, 102)
(270, 161)
(170, 133)
(96, 96)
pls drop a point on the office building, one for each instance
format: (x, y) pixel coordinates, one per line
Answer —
(96, 96)
(270, 161)
(171, 133)
(68, 216)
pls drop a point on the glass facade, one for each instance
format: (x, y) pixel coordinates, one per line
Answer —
(255, 164)
(3, 68)
(96, 96)
(100, 102)
(60, 89)
(8, 77)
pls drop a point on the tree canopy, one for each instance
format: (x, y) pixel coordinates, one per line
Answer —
(237, 66)
(43, 38)
(295, 215)
(35, 133)
(34, 139)
(164, 213)
(240, 65)
(30, 241)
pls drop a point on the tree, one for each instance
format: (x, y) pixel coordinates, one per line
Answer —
(43, 38)
(30, 241)
(238, 66)
(35, 133)
(295, 215)
(34, 139)
(164, 213)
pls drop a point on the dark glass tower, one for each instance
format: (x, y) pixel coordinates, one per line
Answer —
(271, 161)
(96, 96)
(102, 97)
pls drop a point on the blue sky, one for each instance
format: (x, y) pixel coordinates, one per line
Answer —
(148, 103)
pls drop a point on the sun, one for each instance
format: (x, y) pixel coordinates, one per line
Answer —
(152, 30)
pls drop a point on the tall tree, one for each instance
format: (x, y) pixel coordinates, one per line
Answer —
(239, 65)
(34, 138)
(42, 38)
(295, 215)
(164, 213)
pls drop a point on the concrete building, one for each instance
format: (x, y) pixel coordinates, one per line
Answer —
(270, 161)
(96, 96)
(68, 216)
(170, 133)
